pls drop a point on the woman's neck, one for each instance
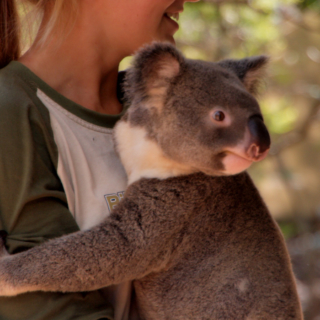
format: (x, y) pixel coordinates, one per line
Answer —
(78, 67)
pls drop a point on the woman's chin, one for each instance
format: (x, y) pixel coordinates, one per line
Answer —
(166, 37)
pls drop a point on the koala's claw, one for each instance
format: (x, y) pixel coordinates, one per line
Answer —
(3, 236)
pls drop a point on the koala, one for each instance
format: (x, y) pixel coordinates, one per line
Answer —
(192, 231)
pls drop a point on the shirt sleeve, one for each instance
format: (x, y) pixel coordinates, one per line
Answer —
(33, 204)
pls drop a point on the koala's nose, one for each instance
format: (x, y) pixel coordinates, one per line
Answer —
(259, 134)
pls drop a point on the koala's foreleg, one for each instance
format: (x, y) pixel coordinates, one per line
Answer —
(82, 261)
(136, 239)
(126, 246)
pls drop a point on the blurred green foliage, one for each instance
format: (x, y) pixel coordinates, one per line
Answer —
(309, 4)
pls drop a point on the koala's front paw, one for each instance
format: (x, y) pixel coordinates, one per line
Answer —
(3, 251)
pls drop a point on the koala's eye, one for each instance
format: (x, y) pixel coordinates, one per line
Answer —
(219, 116)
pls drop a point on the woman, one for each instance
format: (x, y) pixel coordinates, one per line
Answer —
(58, 104)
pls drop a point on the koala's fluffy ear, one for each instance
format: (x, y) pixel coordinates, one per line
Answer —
(153, 69)
(250, 71)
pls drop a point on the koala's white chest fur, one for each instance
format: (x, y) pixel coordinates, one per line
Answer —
(142, 157)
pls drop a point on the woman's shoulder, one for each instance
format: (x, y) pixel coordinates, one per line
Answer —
(18, 95)
(14, 91)
(21, 112)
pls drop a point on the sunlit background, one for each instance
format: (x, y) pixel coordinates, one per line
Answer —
(289, 179)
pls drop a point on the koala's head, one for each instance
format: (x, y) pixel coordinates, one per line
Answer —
(202, 115)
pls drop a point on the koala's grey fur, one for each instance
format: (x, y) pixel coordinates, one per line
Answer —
(197, 246)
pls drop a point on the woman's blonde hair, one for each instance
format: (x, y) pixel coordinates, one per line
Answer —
(58, 14)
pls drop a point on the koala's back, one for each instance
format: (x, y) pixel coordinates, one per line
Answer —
(225, 260)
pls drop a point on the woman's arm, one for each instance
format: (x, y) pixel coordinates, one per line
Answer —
(33, 205)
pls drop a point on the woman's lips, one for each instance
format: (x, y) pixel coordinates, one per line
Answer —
(173, 22)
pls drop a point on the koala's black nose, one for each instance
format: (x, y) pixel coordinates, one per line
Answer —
(259, 133)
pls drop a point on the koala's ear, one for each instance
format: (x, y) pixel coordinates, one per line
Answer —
(250, 71)
(154, 67)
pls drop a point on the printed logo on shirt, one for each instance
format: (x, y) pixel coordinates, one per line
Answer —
(113, 199)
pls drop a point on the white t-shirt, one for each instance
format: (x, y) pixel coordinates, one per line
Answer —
(92, 176)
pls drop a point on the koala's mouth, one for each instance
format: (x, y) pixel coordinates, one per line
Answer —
(244, 154)
(251, 155)
(236, 162)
